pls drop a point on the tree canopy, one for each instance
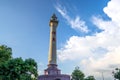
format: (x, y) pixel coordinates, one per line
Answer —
(5, 53)
(77, 74)
(16, 68)
(116, 73)
(90, 78)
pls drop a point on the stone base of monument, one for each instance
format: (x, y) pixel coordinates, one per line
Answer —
(53, 73)
(54, 77)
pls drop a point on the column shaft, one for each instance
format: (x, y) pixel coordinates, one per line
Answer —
(52, 46)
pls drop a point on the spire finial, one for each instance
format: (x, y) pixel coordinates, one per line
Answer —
(54, 18)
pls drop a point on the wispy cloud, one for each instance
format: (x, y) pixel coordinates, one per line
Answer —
(76, 23)
(87, 50)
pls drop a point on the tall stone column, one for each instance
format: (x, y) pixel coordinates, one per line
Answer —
(52, 72)
(52, 58)
(52, 47)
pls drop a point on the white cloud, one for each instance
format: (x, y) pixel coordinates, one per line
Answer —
(113, 10)
(97, 52)
(76, 23)
(103, 64)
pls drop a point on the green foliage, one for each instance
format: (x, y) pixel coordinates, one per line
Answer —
(5, 53)
(77, 74)
(90, 78)
(17, 68)
(117, 73)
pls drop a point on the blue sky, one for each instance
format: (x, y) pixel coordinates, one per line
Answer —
(86, 34)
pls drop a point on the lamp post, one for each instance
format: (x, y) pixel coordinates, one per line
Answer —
(102, 76)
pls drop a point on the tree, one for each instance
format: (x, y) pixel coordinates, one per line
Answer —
(17, 68)
(77, 74)
(5, 53)
(90, 78)
(116, 73)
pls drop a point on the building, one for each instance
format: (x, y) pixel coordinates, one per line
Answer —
(52, 72)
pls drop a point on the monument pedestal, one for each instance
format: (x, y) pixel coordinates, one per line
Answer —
(53, 73)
